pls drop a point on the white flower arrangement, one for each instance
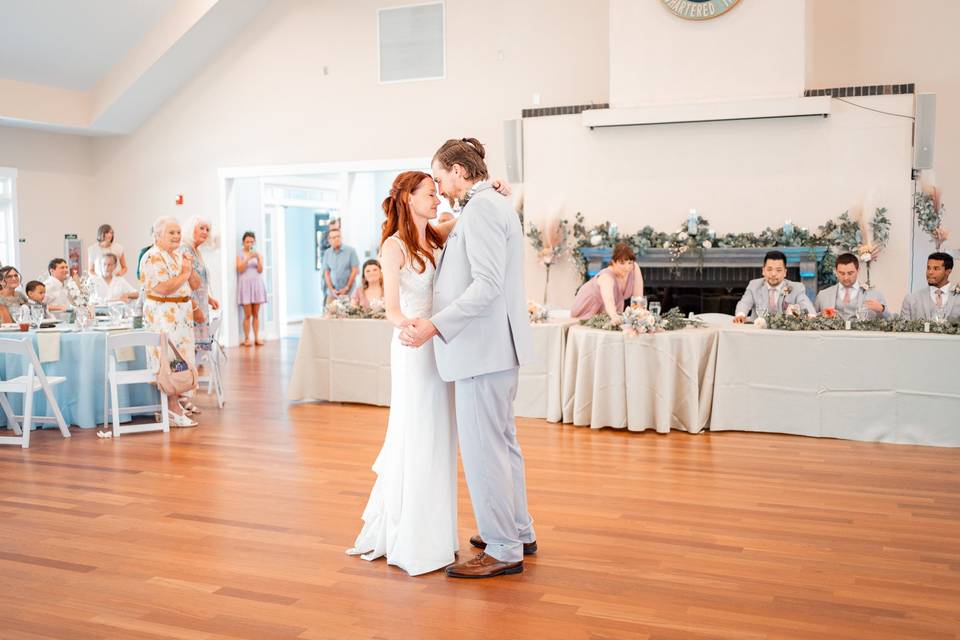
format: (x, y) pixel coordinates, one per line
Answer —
(707, 244)
(339, 307)
(538, 313)
(595, 240)
(81, 292)
(956, 289)
(760, 323)
(637, 321)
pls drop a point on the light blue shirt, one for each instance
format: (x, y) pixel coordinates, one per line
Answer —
(340, 264)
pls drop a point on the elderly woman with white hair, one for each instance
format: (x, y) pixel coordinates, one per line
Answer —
(169, 278)
(196, 231)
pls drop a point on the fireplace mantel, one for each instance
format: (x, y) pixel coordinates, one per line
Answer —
(713, 267)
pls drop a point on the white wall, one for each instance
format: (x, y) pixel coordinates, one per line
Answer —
(264, 100)
(757, 49)
(886, 42)
(55, 193)
(741, 176)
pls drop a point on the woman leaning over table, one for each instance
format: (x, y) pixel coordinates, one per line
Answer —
(169, 279)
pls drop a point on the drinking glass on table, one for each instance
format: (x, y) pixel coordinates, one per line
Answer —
(940, 315)
(36, 315)
(638, 301)
(655, 308)
(116, 313)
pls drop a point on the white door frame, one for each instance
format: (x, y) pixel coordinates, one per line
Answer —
(227, 223)
(14, 229)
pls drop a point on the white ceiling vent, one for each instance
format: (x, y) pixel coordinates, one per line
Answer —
(411, 42)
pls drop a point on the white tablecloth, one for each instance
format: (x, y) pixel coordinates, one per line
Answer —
(349, 361)
(853, 385)
(661, 381)
(343, 361)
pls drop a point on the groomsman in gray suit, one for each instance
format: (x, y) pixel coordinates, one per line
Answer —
(848, 295)
(772, 293)
(939, 299)
(482, 332)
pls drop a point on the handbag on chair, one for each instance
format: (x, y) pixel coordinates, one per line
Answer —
(175, 376)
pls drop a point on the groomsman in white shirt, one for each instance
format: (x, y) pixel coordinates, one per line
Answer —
(848, 295)
(939, 299)
(772, 293)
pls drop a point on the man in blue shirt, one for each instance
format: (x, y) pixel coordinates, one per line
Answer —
(340, 266)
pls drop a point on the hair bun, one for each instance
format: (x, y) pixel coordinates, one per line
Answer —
(475, 144)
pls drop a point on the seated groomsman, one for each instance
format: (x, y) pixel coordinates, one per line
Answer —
(939, 297)
(772, 293)
(847, 295)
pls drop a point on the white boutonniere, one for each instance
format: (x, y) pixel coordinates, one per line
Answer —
(956, 289)
(866, 286)
(787, 290)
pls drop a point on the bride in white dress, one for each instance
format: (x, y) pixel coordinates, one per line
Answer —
(411, 515)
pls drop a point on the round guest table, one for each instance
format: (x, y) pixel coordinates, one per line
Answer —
(658, 381)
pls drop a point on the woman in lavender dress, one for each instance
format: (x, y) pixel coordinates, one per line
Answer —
(251, 291)
(607, 290)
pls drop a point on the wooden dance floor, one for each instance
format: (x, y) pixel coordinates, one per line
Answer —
(238, 529)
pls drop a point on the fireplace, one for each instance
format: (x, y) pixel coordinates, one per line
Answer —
(709, 280)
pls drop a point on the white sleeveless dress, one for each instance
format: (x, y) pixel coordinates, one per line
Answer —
(411, 515)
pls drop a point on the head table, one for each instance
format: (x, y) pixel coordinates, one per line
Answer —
(80, 357)
(872, 386)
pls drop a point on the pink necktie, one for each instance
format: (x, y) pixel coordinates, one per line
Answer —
(772, 300)
(939, 295)
(846, 296)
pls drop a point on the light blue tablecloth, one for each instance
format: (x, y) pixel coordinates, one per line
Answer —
(82, 363)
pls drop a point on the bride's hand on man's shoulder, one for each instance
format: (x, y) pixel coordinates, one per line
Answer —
(503, 187)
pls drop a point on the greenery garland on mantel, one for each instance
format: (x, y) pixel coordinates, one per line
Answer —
(840, 234)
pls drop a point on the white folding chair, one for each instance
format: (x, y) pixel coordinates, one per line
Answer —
(210, 360)
(34, 380)
(117, 377)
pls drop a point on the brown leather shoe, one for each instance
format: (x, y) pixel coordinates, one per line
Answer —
(483, 566)
(529, 548)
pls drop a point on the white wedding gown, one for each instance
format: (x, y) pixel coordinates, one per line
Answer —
(411, 515)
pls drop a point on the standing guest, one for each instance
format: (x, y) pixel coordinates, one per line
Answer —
(772, 293)
(10, 299)
(196, 231)
(939, 299)
(60, 286)
(105, 245)
(848, 295)
(251, 291)
(110, 287)
(168, 306)
(608, 290)
(370, 292)
(340, 266)
(35, 293)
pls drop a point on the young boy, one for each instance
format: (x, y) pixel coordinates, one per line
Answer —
(36, 290)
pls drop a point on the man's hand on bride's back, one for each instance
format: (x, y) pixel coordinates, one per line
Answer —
(416, 332)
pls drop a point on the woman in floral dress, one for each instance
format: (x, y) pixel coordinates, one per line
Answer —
(168, 279)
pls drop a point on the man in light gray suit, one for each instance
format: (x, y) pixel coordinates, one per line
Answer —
(483, 336)
(772, 293)
(848, 295)
(939, 299)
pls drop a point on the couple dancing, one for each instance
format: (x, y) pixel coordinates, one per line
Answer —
(455, 293)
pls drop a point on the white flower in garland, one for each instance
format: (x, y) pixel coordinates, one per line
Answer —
(596, 239)
(760, 323)
(682, 236)
(666, 245)
(707, 244)
(866, 256)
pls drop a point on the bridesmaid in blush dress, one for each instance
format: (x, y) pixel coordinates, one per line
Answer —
(251, 291)
(608, 290)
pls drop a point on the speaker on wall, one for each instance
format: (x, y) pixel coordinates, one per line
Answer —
(513, 149)
(923, 130)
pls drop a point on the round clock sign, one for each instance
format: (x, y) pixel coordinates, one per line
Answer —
(699, 9)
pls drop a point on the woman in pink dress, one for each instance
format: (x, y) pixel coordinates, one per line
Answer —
(370, 292)
(608, 290)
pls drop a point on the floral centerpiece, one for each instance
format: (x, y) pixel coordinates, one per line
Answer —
(538, 313)
(636, 321)
(80, 293)
(550, 244)
(832, 322)
(343, 308)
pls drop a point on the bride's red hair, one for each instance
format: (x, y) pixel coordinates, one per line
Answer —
(400, 220)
